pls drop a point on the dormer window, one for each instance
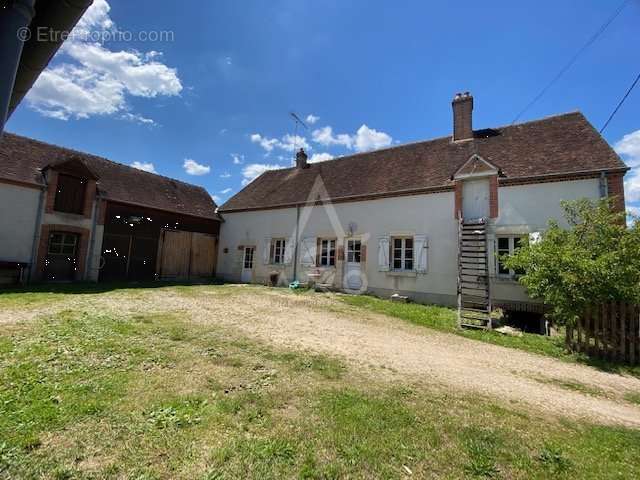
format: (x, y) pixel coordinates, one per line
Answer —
(70, 194)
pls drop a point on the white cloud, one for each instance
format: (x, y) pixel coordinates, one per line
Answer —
(324, 136)
(225, 175)
(237, 159)
(216, 199)
(311, 119)
(320, 157)
(95, 18)
(629, 147)
(254, 170)
(287, 142)
(632, 186)
(225, 191)
(364, 139)
(293, 142)
(194, 168)
(94, 80)
(147, 167)
(267, 143)
(370, 139)
(133, 117)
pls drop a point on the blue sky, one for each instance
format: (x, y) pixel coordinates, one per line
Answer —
(209, 102)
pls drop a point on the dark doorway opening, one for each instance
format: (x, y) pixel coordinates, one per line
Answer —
(132, 237)
(128, 257)
(61, 259)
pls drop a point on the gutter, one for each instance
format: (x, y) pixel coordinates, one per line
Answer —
(92, 236)
(295, 246)
(502, 181)
(38, 226)
(15, 18)
(55, 16)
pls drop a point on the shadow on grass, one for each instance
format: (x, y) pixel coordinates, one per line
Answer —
(102, 287)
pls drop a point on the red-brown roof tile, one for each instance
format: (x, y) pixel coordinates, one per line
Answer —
(21, 160)
(563, 144)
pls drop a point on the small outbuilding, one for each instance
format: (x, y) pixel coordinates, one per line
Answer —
(72, 216)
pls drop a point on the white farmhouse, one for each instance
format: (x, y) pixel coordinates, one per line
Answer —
(425, 220)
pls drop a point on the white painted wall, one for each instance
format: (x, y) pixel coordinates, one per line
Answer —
(522, 209)
(18, 210)
(529, 207)
(430, 215)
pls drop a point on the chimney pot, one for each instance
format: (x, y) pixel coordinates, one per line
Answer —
(462, 105)
(301, 159)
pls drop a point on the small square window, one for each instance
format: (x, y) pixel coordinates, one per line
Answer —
(402, 253)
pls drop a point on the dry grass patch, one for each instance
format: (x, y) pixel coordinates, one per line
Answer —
(90, 394)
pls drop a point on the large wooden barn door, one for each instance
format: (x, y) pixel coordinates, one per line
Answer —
(186, 255)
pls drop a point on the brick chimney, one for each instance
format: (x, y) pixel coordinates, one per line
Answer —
(462, 116)
(301, 159)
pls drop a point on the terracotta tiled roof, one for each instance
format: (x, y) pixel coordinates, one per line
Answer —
(563, 145)
(21, 160)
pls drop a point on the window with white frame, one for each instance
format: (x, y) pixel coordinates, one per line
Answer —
(327, 252)
(402, 253)
(277, 250)
(507, 245)
(354, 251)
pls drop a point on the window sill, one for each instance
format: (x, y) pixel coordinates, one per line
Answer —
(402, 273)
(75, 214)
(506, 279)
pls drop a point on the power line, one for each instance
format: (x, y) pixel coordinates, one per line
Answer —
(573, 59)
(620, 103)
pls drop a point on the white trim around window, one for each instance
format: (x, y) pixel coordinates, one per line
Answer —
(402, 254)
(277, 251)
(327, 252)
(507, 245)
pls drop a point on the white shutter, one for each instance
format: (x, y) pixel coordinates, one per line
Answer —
(383, 254)
(266, 250)
(309, 247)
(289, 246)
(420, 244)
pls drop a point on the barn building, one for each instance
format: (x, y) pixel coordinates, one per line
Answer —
(71, 216)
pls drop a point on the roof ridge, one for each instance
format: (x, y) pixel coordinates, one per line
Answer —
(538, 120)
(430, 140)
(99, 157)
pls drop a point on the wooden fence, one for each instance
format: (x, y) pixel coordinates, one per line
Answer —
(610, 331)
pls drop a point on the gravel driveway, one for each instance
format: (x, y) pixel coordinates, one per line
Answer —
(324, 324)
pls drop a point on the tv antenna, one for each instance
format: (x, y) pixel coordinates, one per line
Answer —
(297, 121)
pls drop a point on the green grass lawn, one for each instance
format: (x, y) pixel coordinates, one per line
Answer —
(445, 319)
(86, 395)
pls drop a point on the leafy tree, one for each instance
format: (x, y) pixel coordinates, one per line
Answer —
(595, 260)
